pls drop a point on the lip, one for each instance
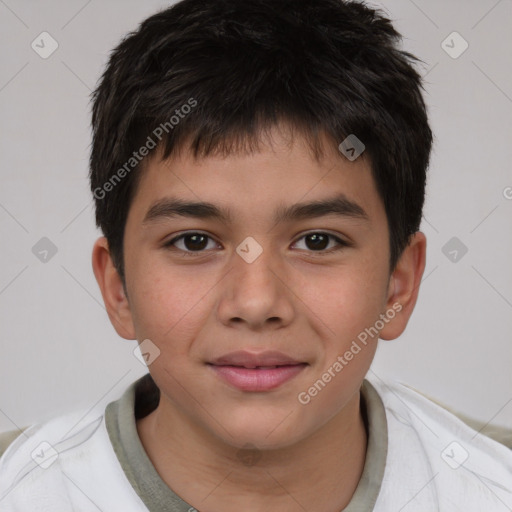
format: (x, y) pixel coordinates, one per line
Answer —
(263, 371)
(246, 359)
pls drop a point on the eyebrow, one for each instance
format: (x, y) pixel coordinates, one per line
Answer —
(339, 205)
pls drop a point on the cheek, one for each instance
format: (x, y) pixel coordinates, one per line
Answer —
(347, 299)
(169, 304)
(349, 303)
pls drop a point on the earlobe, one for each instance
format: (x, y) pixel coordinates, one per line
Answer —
(404, 286)
(111, 286)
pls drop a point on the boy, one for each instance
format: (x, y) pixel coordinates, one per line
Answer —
(230, 138)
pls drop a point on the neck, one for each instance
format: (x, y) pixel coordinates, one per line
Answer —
(319, 473)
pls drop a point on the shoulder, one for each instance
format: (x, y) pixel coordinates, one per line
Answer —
(432, 450)
(29, 446)
(36, 460)
(68, 463)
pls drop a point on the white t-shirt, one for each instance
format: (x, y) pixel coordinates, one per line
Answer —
(419, 458)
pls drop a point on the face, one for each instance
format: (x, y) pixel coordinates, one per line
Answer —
(257, 287)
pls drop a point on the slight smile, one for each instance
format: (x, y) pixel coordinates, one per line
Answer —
(264, 371)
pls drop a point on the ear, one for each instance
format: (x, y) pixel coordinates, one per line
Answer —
(404, 285)
(112, 290)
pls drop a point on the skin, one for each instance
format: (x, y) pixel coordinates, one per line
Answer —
(308, 304)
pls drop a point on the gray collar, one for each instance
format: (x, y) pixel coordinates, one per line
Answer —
(142, 397)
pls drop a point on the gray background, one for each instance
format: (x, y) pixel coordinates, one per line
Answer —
(58, 349)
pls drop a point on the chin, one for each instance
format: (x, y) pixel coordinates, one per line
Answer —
(256, 431)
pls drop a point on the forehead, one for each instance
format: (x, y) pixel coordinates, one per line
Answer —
(281, 171)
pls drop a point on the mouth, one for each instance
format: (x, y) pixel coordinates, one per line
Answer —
(260, 372)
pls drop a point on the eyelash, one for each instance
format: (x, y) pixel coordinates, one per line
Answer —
(341, 243)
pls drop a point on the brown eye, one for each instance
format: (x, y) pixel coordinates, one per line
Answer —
(321, 242)
(191, 242)
(317, 241)
(195, 242)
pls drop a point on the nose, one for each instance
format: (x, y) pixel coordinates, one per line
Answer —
(256, 294)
